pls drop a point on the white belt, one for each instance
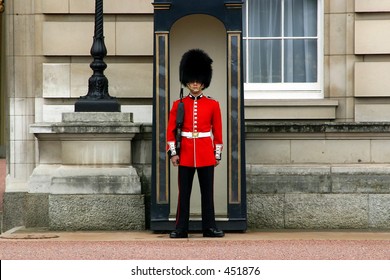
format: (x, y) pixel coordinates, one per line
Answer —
(196, 134)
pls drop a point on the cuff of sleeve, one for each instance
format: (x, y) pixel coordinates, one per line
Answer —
(172, 149)
(218, 151)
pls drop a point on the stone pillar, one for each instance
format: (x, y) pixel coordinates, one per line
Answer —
(85, 179)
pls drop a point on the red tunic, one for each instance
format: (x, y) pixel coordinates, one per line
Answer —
(201, 114)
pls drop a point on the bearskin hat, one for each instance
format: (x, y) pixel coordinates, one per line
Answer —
(195, 65)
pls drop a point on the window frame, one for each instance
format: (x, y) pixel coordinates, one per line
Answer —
(289, 90)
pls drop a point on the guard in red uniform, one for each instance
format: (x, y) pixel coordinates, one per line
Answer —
(200, 142)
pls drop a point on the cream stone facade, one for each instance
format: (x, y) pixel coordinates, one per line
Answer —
(311, 163)
(2, 97)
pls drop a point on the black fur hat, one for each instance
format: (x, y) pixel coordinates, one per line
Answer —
(195, 65)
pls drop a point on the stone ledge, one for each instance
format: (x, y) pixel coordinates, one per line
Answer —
(315, 109)
(87, 117)
(318, 127)
(310, 178)
(40, 129)
(60, 179)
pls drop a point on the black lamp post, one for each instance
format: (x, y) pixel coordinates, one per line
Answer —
(1, 6)
(98, 98)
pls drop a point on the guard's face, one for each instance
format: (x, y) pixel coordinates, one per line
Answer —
(195, 87)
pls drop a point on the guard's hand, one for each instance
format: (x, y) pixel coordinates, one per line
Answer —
(175, 160)
(217, 162)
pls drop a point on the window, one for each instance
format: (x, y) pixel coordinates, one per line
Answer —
(283, 52)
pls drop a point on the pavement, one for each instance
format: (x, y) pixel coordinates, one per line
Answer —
(41, 244)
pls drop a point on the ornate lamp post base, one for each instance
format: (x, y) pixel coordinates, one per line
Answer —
(98, 98)
(105, 105)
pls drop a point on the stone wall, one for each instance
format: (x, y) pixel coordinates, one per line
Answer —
(300, 175)
(84, 178)
(292, 195)
(304, 176)
(318, 197)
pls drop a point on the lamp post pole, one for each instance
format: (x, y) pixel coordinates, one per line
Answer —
(1, 6)
(98, 99)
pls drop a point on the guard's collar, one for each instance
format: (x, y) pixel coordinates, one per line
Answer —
(195, 97)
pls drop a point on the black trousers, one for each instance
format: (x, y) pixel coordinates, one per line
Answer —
(206, 183)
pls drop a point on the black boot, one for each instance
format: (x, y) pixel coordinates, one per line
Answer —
(213, 232)
(178, 234)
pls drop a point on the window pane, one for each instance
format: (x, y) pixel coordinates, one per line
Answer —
(300, 65)
(264, 65)
(264, 18)
(245, 42)
(300, 18)
(281, 42)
